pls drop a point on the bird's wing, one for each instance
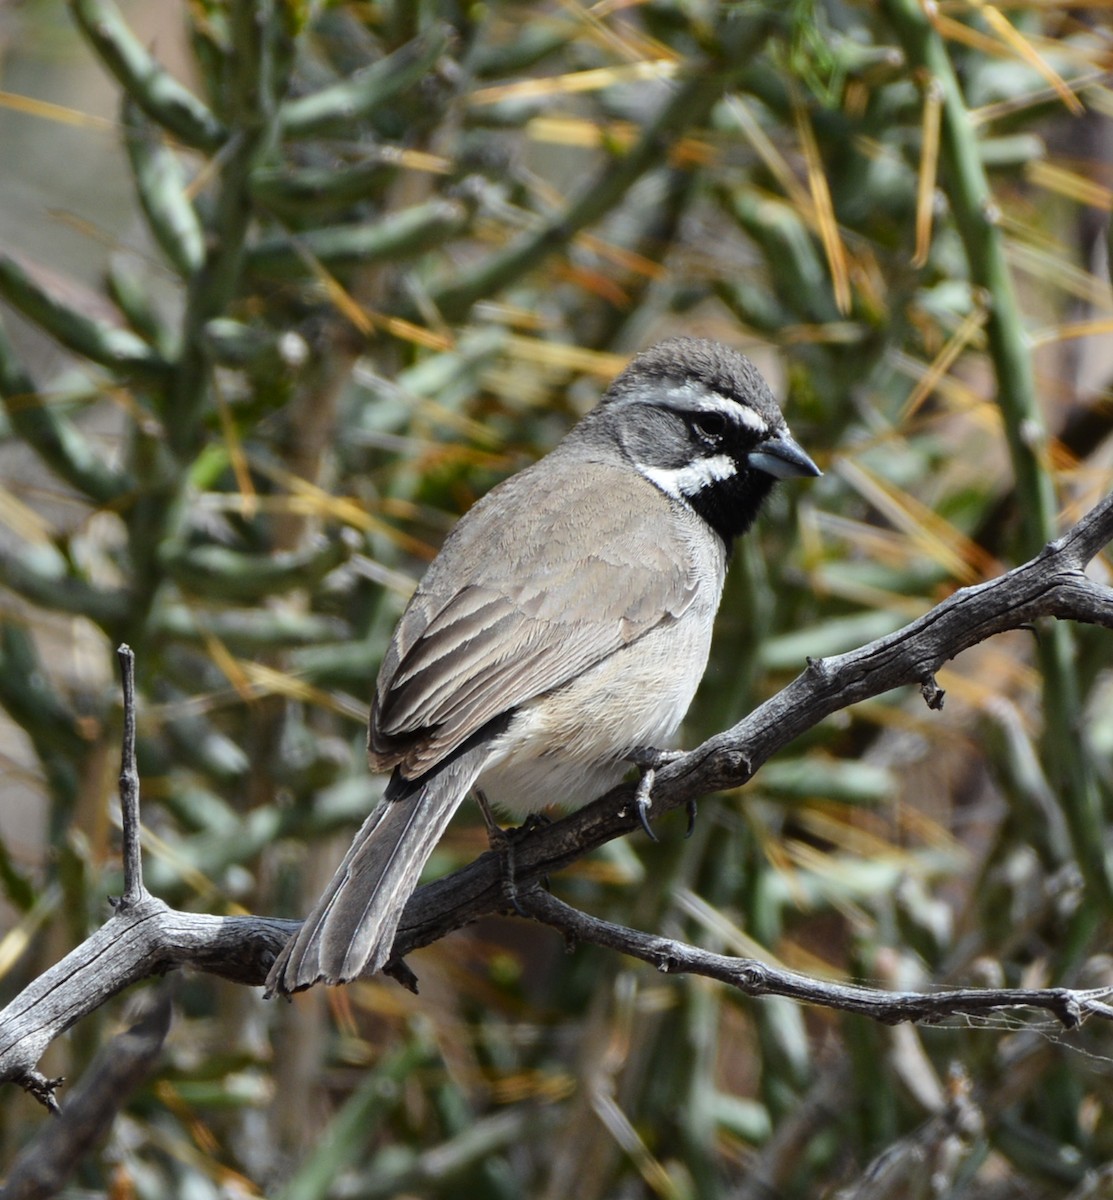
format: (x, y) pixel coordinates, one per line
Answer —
(513, 607)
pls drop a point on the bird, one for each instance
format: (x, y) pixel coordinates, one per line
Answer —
(559, 634)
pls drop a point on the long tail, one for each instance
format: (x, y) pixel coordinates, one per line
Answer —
(351, 929)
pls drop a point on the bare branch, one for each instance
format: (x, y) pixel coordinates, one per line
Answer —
(121, 1066)
(145, 937)
(1052, 584)
(1070, 1006)
(137, 942)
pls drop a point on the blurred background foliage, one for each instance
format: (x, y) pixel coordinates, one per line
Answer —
(285, 287)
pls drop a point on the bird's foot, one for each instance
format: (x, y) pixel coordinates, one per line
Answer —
(502, 842)
(649, 761)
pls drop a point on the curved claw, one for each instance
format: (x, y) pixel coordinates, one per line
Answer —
(643, 803)
(691, 819)
(643, 798)
(648, 760)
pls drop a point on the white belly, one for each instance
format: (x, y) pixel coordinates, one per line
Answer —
(571, 745)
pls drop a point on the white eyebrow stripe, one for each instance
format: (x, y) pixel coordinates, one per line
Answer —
(744, 415)
(681, 483)
(698, 398)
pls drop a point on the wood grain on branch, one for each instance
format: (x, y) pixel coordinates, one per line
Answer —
(43, 1166)
(145, 937)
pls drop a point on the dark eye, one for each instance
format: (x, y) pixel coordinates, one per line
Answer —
(709, 425)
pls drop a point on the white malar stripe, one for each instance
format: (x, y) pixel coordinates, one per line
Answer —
(684, 482)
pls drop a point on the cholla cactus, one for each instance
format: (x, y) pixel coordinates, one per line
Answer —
(389, 250)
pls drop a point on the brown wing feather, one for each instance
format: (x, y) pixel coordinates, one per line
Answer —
(490, 628)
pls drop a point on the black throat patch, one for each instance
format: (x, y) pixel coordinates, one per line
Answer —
(730, 506)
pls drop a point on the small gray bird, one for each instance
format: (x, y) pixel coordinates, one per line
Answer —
(562, 629)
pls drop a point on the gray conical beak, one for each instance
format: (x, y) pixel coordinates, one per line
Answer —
(782, 457)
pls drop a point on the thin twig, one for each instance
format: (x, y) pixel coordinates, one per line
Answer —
(134, 890)
(1070, 1006)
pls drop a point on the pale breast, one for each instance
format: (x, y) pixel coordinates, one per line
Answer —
(570, 745)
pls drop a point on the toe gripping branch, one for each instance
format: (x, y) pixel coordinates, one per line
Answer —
(649, 761)
(502, 842)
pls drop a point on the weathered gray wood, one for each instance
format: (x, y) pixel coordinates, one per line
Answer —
(145, 937)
